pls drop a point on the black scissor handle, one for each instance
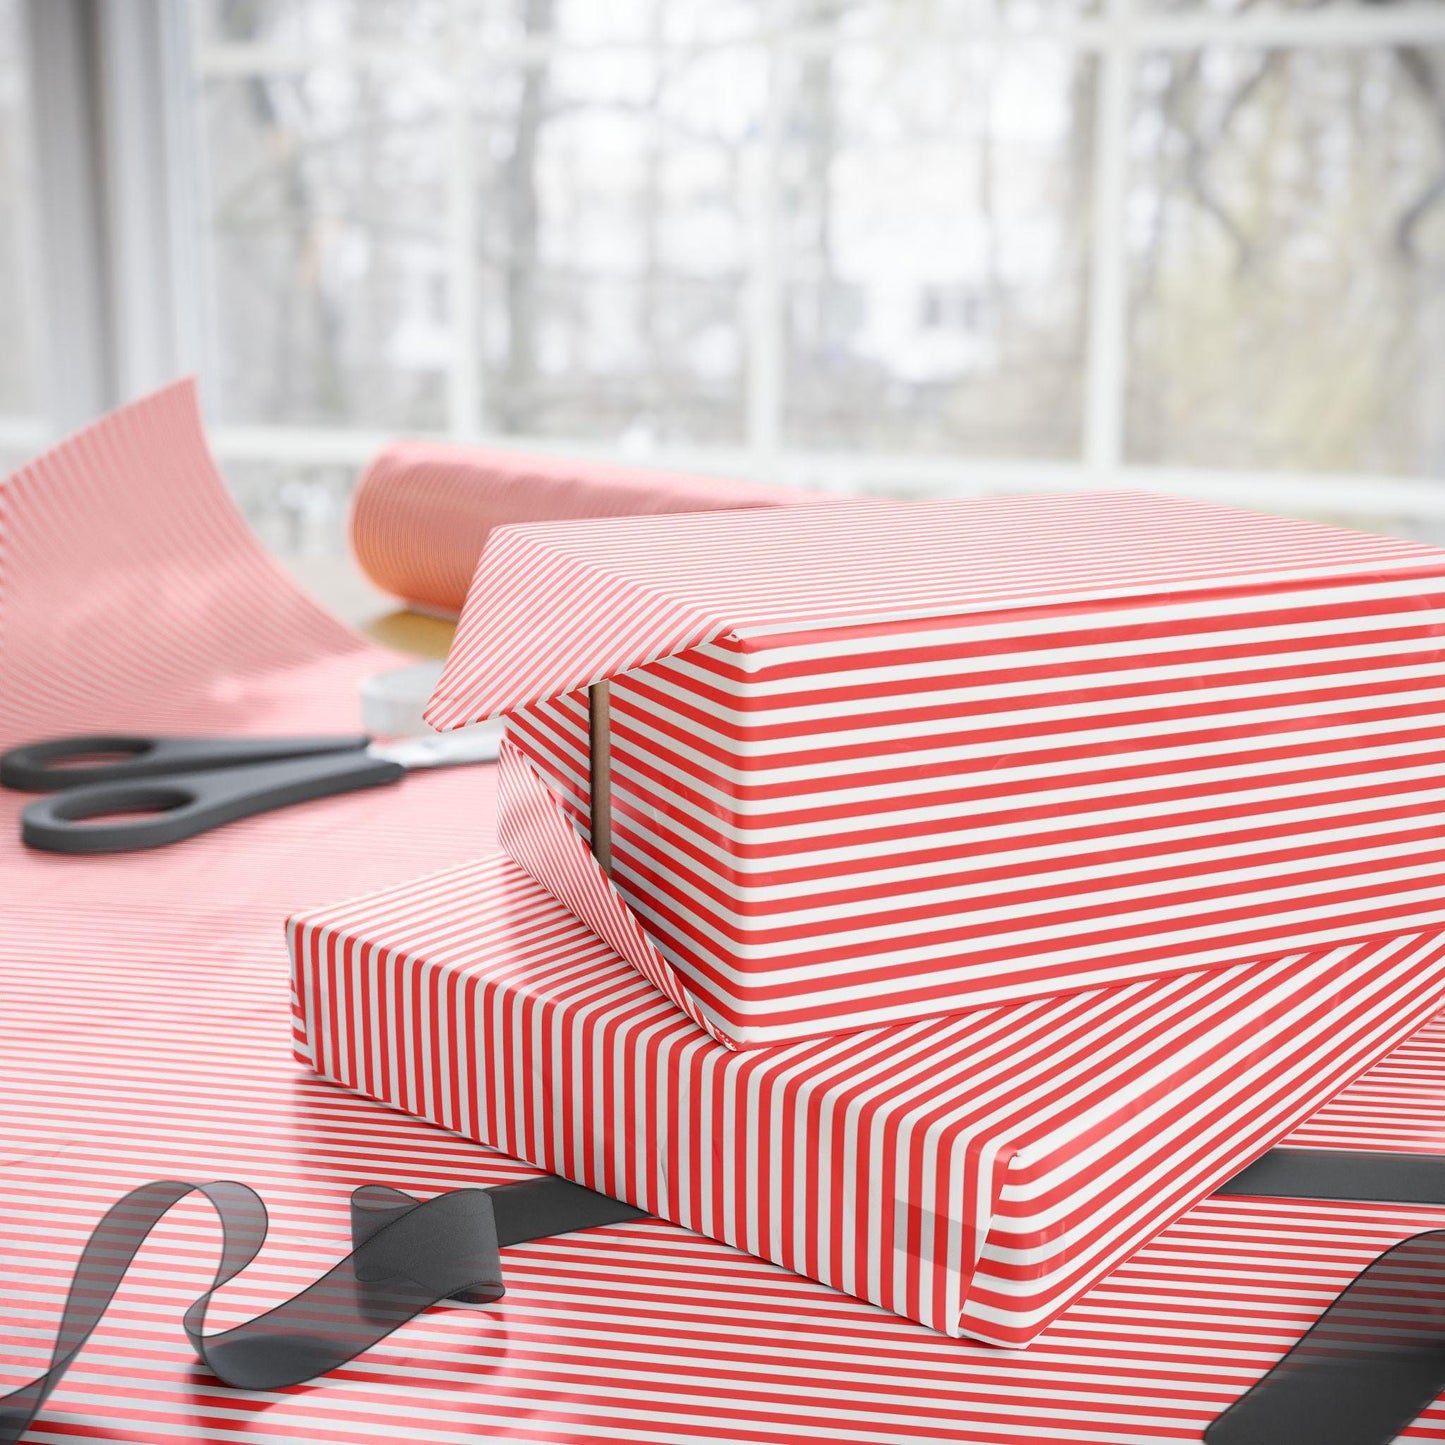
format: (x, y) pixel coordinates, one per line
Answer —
(47, 767)
(185, 804)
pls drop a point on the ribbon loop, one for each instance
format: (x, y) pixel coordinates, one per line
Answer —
(408, 1255)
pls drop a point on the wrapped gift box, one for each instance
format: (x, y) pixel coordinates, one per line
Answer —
(974, 1173)
(877, 762)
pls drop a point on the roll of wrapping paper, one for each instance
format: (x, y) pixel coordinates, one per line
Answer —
(423, 510)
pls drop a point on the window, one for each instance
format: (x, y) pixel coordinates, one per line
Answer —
(1287, 259)
(910, 246)
(935, 166)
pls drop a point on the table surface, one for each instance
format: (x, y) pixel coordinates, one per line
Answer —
(341, 587)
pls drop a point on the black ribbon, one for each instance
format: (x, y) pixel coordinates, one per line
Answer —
(408, 1256)
(1376, 1358)
(1367, 1367)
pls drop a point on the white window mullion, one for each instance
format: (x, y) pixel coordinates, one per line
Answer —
(764, 298)
(186, 258)
(78, 358)
(1105, 359)
(21, 434)
(464, 372)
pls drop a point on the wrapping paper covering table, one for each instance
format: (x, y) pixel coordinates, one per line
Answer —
(641, 1332)
(145, 1032)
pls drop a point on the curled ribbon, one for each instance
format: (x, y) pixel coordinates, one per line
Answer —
(408, 1256)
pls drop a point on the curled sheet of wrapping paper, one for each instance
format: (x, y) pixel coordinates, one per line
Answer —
(424, 510)
(134, 598)
(144, 1032)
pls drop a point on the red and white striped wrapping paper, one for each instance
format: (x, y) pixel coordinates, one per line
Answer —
(177, 1065)
(913, 758)
(143, 1034)
(134, 597)
(533, 827)
(423, 510)
(976, 1174)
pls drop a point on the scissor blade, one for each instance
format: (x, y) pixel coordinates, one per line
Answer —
(475, 744)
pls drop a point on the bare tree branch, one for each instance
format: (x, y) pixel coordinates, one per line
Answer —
(1420, 72)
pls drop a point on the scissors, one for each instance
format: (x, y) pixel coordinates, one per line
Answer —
(186, 786)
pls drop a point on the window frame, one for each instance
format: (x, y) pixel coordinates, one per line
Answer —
(167, 276)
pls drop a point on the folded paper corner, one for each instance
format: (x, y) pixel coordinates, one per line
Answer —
(535, 833)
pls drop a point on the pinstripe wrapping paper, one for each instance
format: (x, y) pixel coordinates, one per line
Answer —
(975, 1174)
(532, 826)
(133, 596)
(1100, 738)
(555, 606)
(637, 1333)
(422, 511)
(144, 1033)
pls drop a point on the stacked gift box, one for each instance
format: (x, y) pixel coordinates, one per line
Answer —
(937, 900)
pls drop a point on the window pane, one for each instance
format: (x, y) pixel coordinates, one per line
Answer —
(1287, 235)
(298, 510)
(19, 382)
(936, 220)
(613, 244)
(327, 206)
